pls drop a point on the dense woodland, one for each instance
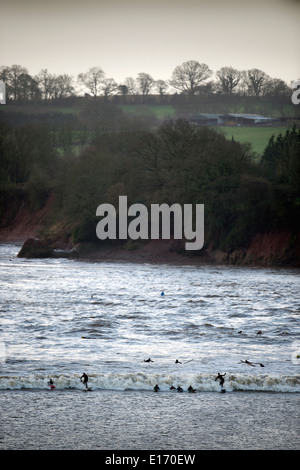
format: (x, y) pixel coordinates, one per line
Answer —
(104, 153)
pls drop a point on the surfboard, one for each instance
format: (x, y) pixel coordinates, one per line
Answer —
(89, 389)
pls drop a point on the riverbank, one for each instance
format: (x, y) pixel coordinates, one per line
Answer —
(265, 250)
(273, 249)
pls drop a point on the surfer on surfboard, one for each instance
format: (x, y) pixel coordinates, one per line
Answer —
(221, 378)
(84, 379)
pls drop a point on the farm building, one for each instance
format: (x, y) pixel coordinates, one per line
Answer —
(246, 120)
(205, 119)
(230, 119)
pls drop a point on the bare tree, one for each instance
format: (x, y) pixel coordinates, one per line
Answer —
(109, 86)
(189, 76)
(92, 80)
(277, 87)
(131, 85)
(46, 83)
(161, 86)
(28, 88)
(145, 82)
(13, 76)
(19, 84)
(62, 86)
(255, 81)
(229, 79)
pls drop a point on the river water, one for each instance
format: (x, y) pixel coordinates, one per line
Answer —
(60, 318)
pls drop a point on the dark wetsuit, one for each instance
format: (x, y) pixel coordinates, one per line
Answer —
(85, 379)
(221, 378)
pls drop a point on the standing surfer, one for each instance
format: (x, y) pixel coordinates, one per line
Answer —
(85, 379)
(221, 378)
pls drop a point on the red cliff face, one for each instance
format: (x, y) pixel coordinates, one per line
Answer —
(265, 249)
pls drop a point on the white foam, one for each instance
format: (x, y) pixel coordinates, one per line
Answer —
(146, 381)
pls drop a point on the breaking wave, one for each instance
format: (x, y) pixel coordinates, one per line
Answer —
(146, 382)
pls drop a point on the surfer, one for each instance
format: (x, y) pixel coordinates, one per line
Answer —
(148, 360)
(85, 380)
(51, 384)
(247, 362)
(172, 387)
(162, 293)
(221, 378)
(177, 362)
(156, 388)
(191, 389)
(179, 389)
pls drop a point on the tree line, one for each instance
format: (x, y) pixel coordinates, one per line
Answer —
(191, 78)
(176, 163)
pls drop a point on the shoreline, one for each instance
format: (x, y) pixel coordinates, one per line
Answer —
(154, 251)
(269, 249)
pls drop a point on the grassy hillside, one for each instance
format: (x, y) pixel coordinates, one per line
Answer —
(161, 112)
(258, 137)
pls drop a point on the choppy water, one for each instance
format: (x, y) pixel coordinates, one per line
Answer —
(60, 318)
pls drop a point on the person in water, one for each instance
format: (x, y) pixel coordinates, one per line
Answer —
(51, 383)
(177, 362)
(148, 360)
(247, 362)
(191, 389)
(221, 378)
(251, 363)
(179, 389)
(85, 380)
(156, 388)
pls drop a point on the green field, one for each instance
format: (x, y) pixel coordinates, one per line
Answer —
(258, 137)
(159, 111)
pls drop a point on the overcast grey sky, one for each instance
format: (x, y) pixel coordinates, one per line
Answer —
(126, 37)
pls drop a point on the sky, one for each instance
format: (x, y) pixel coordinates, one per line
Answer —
(128, 37)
